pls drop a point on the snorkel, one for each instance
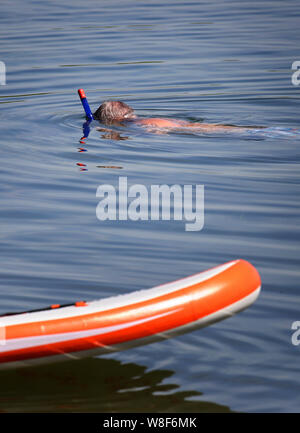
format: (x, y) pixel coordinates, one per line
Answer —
(85, 104)
(88, 113)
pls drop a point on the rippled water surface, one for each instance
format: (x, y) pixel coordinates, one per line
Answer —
(223, 62)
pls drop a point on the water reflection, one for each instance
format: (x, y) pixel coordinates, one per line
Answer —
(96, 385)
(111, 135)
(108, 134)
(115, 167)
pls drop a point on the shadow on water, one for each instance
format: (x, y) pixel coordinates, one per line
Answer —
(96, 385)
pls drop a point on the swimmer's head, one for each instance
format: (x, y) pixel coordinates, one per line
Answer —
(114, 111)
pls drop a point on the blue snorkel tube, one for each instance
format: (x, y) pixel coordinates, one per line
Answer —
(85, 104)
(88, 113)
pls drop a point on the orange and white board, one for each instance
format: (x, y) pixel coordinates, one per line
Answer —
(122, 322)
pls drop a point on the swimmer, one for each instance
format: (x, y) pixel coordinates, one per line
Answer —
(112, 112)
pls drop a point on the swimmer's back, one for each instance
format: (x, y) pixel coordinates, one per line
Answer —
(157, 122)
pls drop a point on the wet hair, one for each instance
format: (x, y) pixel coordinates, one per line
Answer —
(114, 111)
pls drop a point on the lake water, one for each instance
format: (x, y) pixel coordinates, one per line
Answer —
(223, 62)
